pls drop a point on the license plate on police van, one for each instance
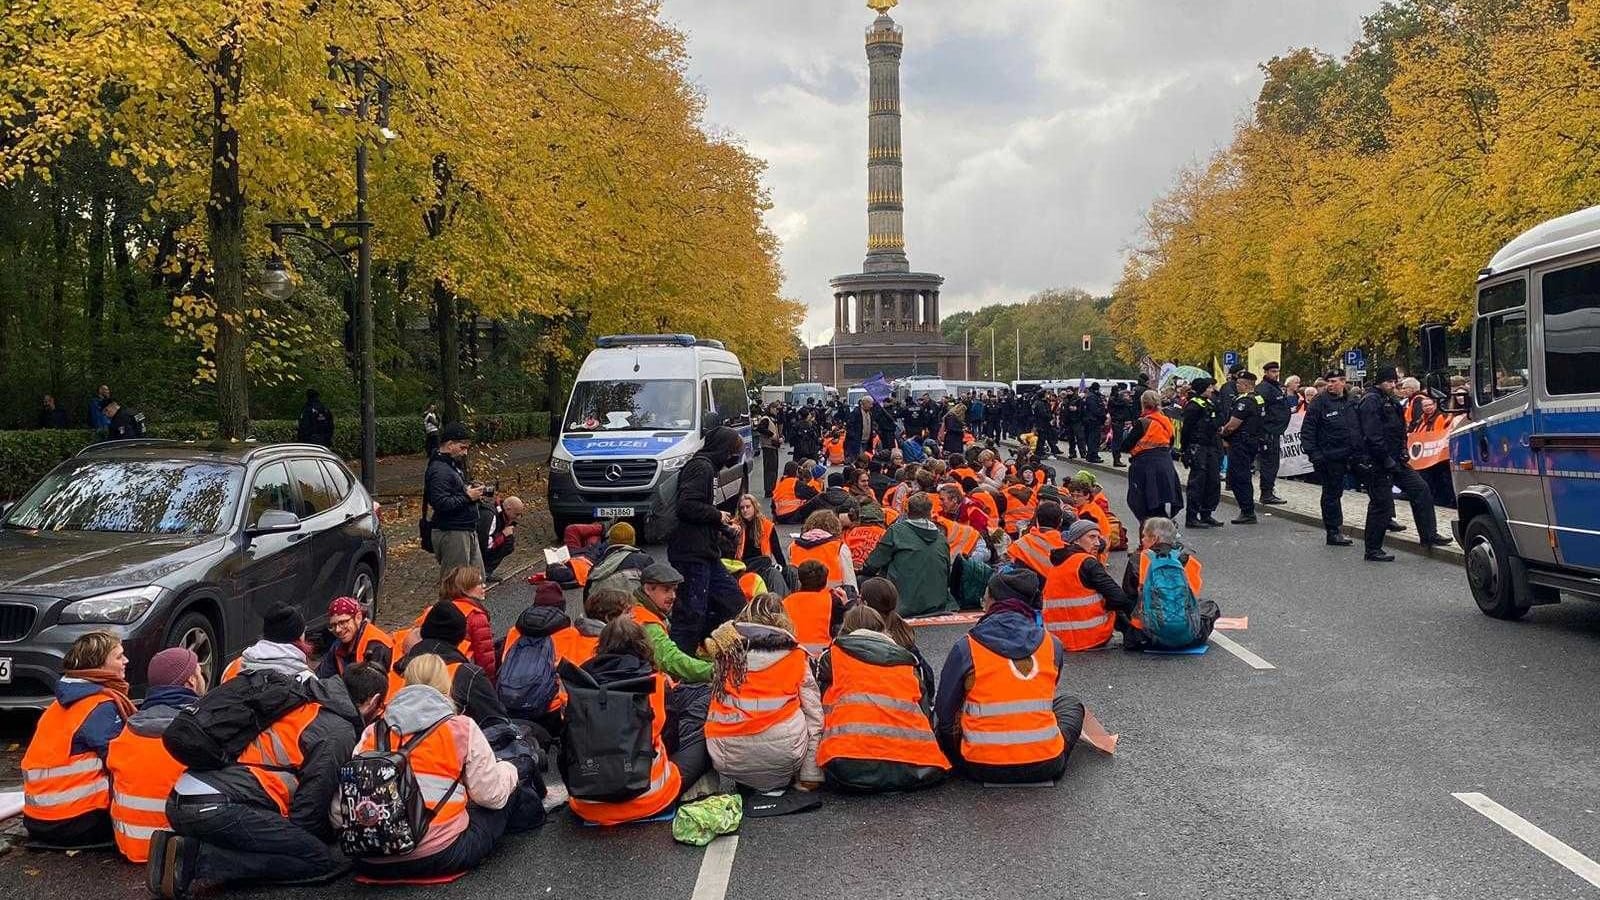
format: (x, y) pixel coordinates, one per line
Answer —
(5, 670)
(613, 512)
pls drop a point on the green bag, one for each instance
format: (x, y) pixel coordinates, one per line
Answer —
(699, 822)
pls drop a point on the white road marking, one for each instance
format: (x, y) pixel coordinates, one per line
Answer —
(1232, 646)
(715, 869)
(1534, 836)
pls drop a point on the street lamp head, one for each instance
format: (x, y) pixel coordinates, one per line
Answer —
(275, 280)
(389, 135)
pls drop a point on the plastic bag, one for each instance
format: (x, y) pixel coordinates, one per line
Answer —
(698, 823)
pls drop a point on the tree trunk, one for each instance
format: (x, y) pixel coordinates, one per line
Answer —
(58, 289)
(225, 234)
(127, 288)
(447, 319)
(96, 301)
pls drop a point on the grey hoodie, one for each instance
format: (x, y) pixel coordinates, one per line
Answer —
(286, 658)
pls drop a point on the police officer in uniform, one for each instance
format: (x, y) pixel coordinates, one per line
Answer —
(1242, 437)
(1331, 437)
(1278, 409)
(1202, 453)
(1383, 428)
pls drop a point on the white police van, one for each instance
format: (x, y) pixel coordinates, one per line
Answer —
(637, 413)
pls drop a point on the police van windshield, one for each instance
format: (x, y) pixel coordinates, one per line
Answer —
(631, 405)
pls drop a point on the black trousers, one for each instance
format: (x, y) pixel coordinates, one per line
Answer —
(1267, 459)
(1241, 457)
(241, 842)
(1380, 503)
(485, 827)
(769, 470)
(1332, 473)
(1091, 440)
(1069, 713)
(1204, 491)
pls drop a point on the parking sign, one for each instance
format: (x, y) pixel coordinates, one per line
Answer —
(1355, 359)
(1230, 359)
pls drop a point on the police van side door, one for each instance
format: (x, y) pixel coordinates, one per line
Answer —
(726, 395)
(1567, 380)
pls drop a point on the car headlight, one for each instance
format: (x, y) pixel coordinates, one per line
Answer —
(117, 608)
(674, 463)
(557, 464)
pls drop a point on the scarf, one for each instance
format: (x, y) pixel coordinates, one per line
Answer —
(111, 684)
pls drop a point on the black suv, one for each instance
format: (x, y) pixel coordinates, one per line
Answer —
(168, 544)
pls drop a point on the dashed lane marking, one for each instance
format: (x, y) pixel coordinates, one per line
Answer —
(712, 884)
(1232, 646)
(1534, 836)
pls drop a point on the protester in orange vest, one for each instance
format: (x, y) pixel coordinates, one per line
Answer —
(66, 792)
(877, 724)
(999, 716)
(464, 587)
(652, 609)
(757, 536)
(355, 639)
(821, 540)
(1083, 506)
(1080, 599)
(142, 771)
(955, 504)
(1021, 503)
(468, 792)
(528, 686)
(765, 716)
(794, 497)
(865, 534)
(814, 609)
(443, 631)
(1033, 549)
(880, 595)
(1153, 485)
(1159, 536)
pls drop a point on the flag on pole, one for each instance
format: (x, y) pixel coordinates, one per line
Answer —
(877, 388)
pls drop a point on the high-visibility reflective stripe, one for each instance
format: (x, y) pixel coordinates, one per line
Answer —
(289, 782)
(60, 798)
(758, 704)
(883, 701)
(725, 718)
(82, 766)
(1095, 622)
(1072, 602)
(133, 801)
(1010, 707)
(434, 787)
(137, 832)
(1011, 737)
(887, 731)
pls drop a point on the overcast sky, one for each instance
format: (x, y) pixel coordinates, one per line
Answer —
(1036, 131)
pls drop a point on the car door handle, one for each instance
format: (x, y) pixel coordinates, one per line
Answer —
(298, 536)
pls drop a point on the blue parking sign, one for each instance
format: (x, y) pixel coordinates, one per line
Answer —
(1229, 359)
(1355, 359)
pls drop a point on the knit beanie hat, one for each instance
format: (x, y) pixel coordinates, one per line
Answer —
(1016, 584)
(444, 623)
(283, 624)
(621, 533)
(1080, 528)
(172, 667)
(548, 593)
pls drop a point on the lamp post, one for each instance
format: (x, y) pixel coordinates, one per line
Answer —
(341, 239)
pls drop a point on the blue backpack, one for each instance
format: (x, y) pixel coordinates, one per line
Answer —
(1168, 606)
(527, 679)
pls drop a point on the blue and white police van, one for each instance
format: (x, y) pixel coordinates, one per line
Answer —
(1525, 460)
(637, 412)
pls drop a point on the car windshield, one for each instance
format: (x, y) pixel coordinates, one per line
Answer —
(630, 405)
(132, 496)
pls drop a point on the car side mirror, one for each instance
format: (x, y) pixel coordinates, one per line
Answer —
(1432, 339)
(274, 521)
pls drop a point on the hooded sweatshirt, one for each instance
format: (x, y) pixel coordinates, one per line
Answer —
(698, 535)
(769, 761)
(265, 655)
(486, 781)
(817, 537)
(1007, 632)
(914, 555)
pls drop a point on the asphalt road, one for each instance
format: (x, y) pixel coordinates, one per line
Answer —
(1329, 775)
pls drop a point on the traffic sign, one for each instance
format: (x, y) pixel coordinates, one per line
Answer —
(1355, 359)
(1230, 359)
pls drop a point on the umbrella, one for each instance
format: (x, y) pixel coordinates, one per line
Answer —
(1189, 373)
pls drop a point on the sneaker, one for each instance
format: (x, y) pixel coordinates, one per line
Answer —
(1379, 556)
(170, 870)
(1395, 527)
(1437, 540)
(1246, 519)
(1273, 500)
(1335, 539)
(555, 796)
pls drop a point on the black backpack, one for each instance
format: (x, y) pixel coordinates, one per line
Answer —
(384, 811)
(608, 749)
(211, 734)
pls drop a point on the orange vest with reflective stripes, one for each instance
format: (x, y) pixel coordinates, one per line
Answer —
(665, 780)
(895, 498)
(862, 539)
(875, 712)
(369, 634)
(233, 669)
(812, 615)
(784, 500)
(764, 699)
(437, 763)
(833, 448)
(1102, 521)
(962, 538)
(398, 681)
(58, 784)
(1019, 510)
(279, 747)
(1033, 549)
(574, 646)
(1076, 615)
(142, 775)
(826, 553)
(1008, 718)
(1191, 574)
(1157, 434)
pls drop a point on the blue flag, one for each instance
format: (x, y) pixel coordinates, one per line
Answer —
(877, 388)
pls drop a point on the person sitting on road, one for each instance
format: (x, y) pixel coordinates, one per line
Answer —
(1082, 494)
(1159, 539)
(576, 643)
(467, 791)
(528, 685)
(443, 631)
(883, 597)
(462, 586)
(765, 716)
(757, 536)
(821, 540)
(794, 498)
(652, 609)
(354, 639)
(877, 725)
(1080, 597)
(282, 647)
(65, 789)
(864, 535)
(1032, 550)
(142, 771)
(915, 554)
(999, 717)
(814, 610)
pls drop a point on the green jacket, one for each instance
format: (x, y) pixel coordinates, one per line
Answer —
(917, 559)
(669, 658)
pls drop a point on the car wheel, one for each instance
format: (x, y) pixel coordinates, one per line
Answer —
(195, 633)
(364, 587)
(1489, 571)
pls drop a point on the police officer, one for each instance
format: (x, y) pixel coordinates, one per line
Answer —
(1331, 437)
(1044, 426)
(1229, 391)
(1383, 428)
(1202, 453)
(1278, 409)
(1242, 437)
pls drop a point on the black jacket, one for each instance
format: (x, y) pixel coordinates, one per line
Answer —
(316, 424)
(1123, 408)
(1094, 409)
(1201, 420)
(1276, 412)
(445, 492)
(1332, 431)
(1383, 429)
(471, 689)
(699, 532)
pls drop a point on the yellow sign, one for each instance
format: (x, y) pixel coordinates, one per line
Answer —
(882, 6)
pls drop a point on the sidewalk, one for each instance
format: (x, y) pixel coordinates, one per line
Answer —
(401, 476)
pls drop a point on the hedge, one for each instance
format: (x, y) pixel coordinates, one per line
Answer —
(26, 456)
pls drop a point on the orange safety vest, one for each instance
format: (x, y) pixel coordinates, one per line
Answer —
(437, 763)
(467, 608)
(234, 668)
(833, 448)
(1019, 510)
(142, 775)
(862, 539)
(826, 553)
(962, 473)
(812, 615)
(665, 779)
(58, 784)
(764, 533)
(1076, 615)
(574, 646)
(513, 634)
(1033, 549)
(895, 498)
(580, 566)
(1158, 434)
(1092, 510)
(990, 507)
(962, 538)
(1191, 574)
(1008, 718)
(875, 712)
(784, 500)
(747, 585)
(279, 748)
(369, 633)
(764, 699)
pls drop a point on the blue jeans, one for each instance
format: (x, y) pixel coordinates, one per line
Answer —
(708, 597)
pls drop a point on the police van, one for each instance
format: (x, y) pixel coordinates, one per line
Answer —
(638, 411)
(1525, 460)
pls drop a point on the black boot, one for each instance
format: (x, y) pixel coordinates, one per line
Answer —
(1211, 520)
(1335, 539)
(1192, 522)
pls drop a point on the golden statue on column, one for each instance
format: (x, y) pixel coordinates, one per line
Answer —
(882, 6)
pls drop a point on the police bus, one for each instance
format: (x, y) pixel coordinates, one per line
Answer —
(1526, 458)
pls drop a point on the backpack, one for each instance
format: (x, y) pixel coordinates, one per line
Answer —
(1168, 606)
(609, 573)
(526, 679)
(384, 811)
(211, 734)
(608, 750)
